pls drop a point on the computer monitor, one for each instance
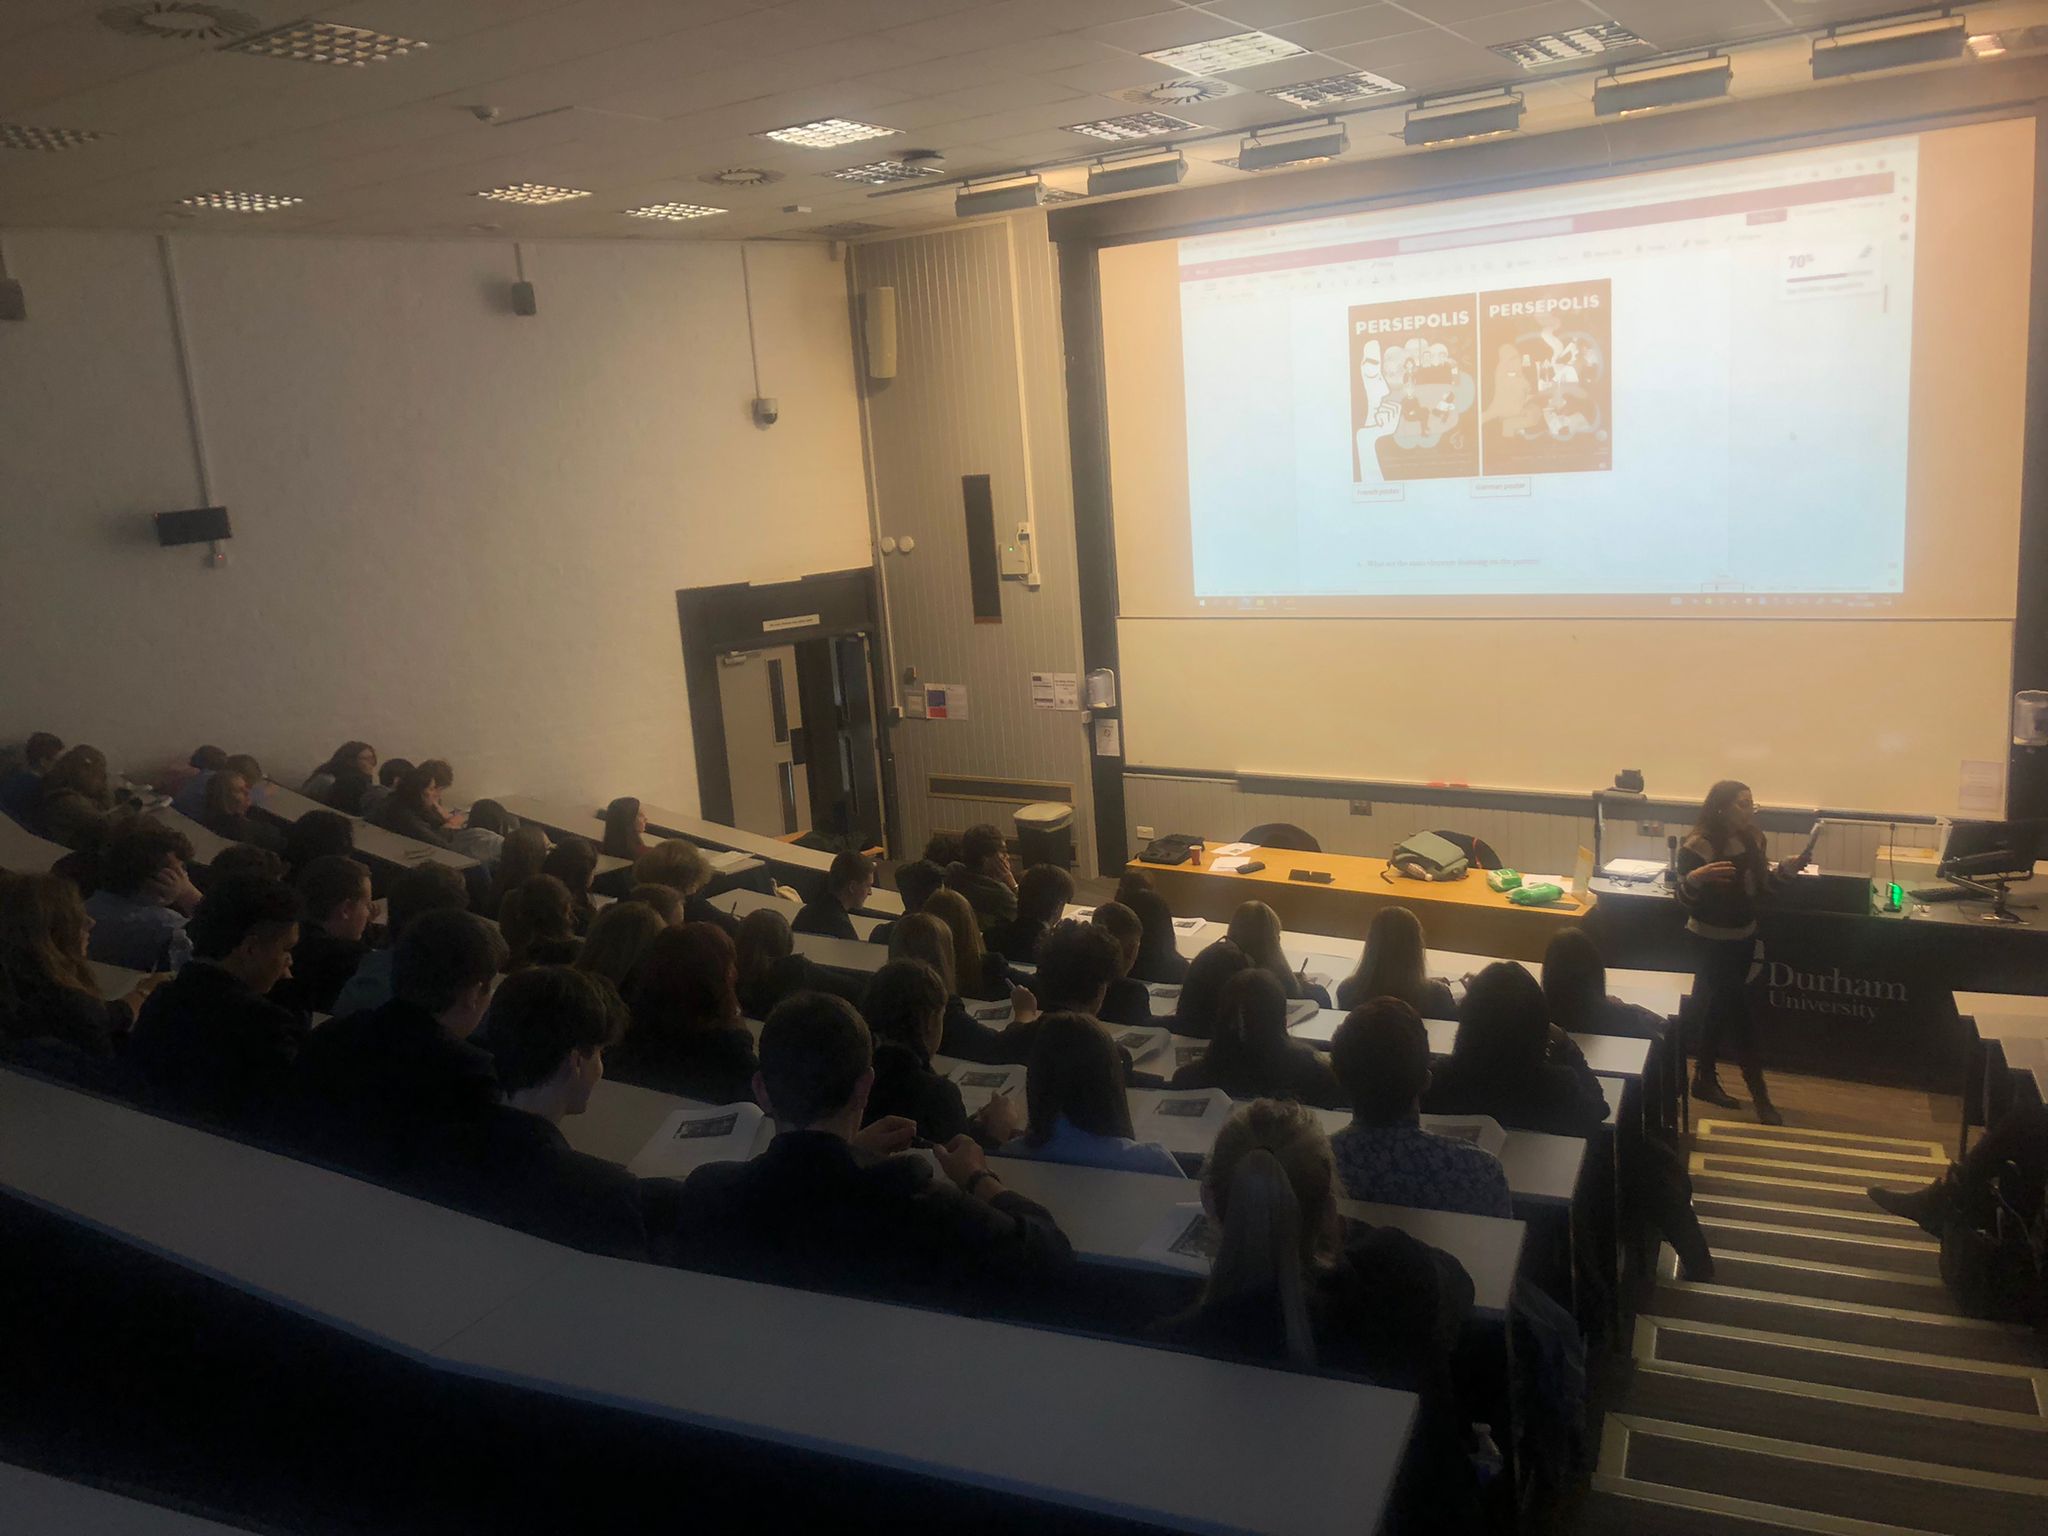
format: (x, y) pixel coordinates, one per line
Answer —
(1992, 850)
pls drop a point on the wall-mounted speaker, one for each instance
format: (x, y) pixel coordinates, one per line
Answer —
(200, 525)
(878, 327)
(523, 301)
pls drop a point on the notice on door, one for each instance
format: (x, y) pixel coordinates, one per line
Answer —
(945, 701)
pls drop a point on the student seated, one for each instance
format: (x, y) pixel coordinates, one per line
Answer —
(21, 787)
(921, 936)
(47, 990)
(905, 1008)
(413, 809)
(145, 899)
(210, 1044)
(1126, 1003)
(1043, 892)
(769, 969)
(1575, 990)
(525, 851)
(336, 893)
(1159, 957)
(573, 861)
(1509, 1061)
(389, 773)
(1195, 1011)
(391, 1094)
(625, 830)
(2009, 1162)
(1077, 1107)
(618, 943)
(982, 874)
(1381, 1055)
(1255, 929)
(980, 973)
(419, 890)
(539, 924)
(848, 885)
(546, 1033)
(318, 835)
(1395, 963)
(481, 836)
(246, 859)
(1251, 1057)
(1076, 964)
(826, 1207)
(357, 758)
(190, 797)
(76, 806)
(1288, 1287)
(942, 849)
(663, 899)
(915, 883)
(687, 1036)
(226, 812)
(681, 865)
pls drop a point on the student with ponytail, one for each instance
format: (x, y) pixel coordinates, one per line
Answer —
(1290, 1287)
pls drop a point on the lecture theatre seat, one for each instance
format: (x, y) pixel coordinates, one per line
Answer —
(1282, 834)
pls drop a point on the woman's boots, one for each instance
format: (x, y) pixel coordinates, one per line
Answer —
(1706, 1087)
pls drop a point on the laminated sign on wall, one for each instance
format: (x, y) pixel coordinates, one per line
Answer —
(945, 701)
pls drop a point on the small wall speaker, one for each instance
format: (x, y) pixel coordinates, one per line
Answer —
(523, 302)
(200, 525)
(878, 326)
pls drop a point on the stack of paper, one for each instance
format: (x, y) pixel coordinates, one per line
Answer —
(1181, 1120)
(1190, 924)
(1231, 850)
(1141, 1043)
(1482, 1131)
(692, 1137)
(1185, 1239)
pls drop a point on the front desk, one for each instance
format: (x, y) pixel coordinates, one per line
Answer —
(1866, 996)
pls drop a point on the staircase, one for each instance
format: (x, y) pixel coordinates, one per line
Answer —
(1823, 1381)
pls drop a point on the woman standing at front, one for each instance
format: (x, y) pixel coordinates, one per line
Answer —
(1722, 870)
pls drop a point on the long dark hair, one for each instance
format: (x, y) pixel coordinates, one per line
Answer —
(1574, 979)
(344, 758)
(1714, 827)
(1503, 1027)
(764, 942)
(1394, 962)
(1159, 957)
(686, 983)
(1251, 1022)
(622, 839)
(1075, 1071)
(1201, 995)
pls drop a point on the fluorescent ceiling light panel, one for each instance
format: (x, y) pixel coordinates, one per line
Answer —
(326, 42)
(1132, 125)
(677, 212)
(884, 173)
(1887, 45)
(1569, 46)
(1333, 89)
(22, 136)
(1662, 85)
(1219, 55)
(534, 193)
(241, 202)
(827, 133)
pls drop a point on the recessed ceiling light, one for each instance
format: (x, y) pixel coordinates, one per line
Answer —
(1335, 88)
(1061, 195)
(826, 133)
(1135, 125)
(1987, 45)
(675, 211)
(1566, 47)
(534, 192)
(21, 136)
(1177, 93)
(178, 21)
(886, 173)
(1241, 50)
(241, 202)
(741, 176)
(326, 42)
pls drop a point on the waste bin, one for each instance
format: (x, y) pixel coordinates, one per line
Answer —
(1045, 834)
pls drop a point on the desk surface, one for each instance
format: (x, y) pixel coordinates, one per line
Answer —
(1070, 1420)
(742, 901)
(387, 847)
(35, 1504)
(769, 850)
(312, 1240)
(1608, 1055)
(207, 844)
(2005, 1015)
(25, 853)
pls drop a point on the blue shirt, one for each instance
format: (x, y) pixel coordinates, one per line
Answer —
(370, 987)
(1406, 1165)
(1069, 1144)
(137, 934)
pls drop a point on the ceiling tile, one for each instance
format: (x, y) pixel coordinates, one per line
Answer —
(1529, 21)
(1270, 15)
(1354, 26)
(1115, 73)
(1163, 29)
(1303, 66)
(1666, 26)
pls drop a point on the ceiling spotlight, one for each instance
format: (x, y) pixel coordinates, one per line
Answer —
(888, 173)
(676, 212)
(1987, 45)
(1889, 44)
(326, 42)
(1007, 198)
(1663, 83)
(1138, 176)
(533, 193)
(48, 140)
(1266, 154)
(826, 133)
(1472, 115)
(241, 202)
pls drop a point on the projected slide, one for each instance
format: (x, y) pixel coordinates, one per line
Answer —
(1694, 385)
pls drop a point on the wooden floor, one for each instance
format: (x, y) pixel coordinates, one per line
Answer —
(1825, 1104)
